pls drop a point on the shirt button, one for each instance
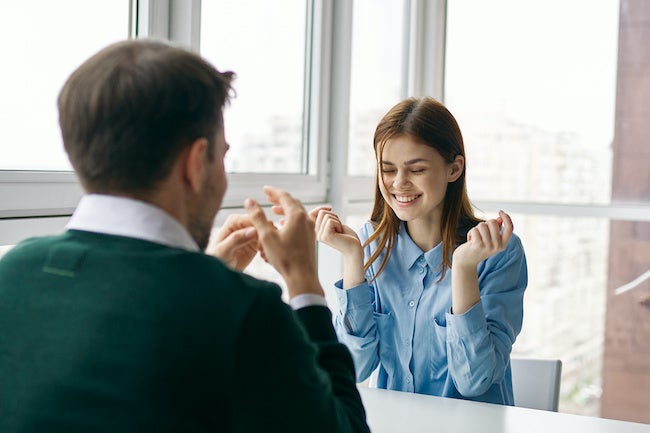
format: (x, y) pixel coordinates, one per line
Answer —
(411, 304)
(408, 380)
(421, 270)
(406, 342)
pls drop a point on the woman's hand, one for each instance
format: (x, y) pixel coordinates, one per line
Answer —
(484, 240)
(332, 232)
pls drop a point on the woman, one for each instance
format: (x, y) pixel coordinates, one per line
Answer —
(431, 298)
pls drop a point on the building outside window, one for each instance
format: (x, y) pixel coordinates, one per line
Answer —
(550, 104)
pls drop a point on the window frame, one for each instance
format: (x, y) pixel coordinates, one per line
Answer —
(33, 195)
(28, 196)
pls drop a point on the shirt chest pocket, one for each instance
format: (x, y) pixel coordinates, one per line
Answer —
(438, 349)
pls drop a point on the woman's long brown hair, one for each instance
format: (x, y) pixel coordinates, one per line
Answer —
(430, 123)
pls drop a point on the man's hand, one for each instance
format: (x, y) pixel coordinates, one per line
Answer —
(236, 242)
(290, 249)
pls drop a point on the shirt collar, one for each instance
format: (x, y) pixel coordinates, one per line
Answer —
(410, 253)
(131, 218)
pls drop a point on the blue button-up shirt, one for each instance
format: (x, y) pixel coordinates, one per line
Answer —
(401, 324)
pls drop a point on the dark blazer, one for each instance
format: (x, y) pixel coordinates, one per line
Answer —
(103, 333)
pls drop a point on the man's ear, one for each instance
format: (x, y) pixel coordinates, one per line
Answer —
(195, 164)
(456, 168)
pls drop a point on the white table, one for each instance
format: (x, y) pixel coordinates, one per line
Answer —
(395, 412)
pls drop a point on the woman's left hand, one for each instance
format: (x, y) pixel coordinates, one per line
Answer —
(484, 240)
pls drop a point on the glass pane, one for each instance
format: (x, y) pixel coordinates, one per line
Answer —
(565, 302)
(532, 85)
(42, 43)
(263, 42)
(378, 41)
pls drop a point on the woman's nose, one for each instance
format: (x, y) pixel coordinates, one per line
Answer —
(401, 178)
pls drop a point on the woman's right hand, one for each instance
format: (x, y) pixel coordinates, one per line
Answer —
(332, 232)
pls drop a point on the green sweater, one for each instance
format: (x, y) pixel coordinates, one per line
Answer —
(103, 333)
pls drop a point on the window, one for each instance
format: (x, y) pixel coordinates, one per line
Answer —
(535, 97)
(43, 42)
(264, 43)
(42, 45)
(538, 87)
(378, 74)
(536, 106)
(565, 301)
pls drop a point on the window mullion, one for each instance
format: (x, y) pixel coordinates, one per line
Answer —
(427, 48)
(153, 19)
(339, 95)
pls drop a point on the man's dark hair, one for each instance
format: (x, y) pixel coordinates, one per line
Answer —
(128, 111)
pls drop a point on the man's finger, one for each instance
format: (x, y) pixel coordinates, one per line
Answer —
(257, 216)
(235, 240)
(282, 198)
(233, 222)
(272, 193)
(242, 237)
(277, 210)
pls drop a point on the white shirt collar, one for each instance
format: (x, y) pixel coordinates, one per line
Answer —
(123, 216)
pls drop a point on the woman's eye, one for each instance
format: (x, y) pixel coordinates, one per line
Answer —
(419, 170)
(387, 171)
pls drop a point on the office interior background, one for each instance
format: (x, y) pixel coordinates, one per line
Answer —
(552, 96)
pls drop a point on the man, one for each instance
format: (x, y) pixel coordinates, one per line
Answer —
(122, 323)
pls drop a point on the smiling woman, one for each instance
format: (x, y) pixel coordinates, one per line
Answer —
(415, 187)
(420, 322)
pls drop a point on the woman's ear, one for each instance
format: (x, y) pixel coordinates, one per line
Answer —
(195, 167)
(456, 168)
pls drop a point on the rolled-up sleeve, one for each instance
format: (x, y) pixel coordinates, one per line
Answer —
(479, 341)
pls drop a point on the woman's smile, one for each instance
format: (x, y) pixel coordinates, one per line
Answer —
(406, 199)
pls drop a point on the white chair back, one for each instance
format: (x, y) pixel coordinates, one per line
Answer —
(536, 383)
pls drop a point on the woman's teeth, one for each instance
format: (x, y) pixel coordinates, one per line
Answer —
(405, 199)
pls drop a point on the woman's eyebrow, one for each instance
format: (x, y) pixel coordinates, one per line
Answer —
(409, 162)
